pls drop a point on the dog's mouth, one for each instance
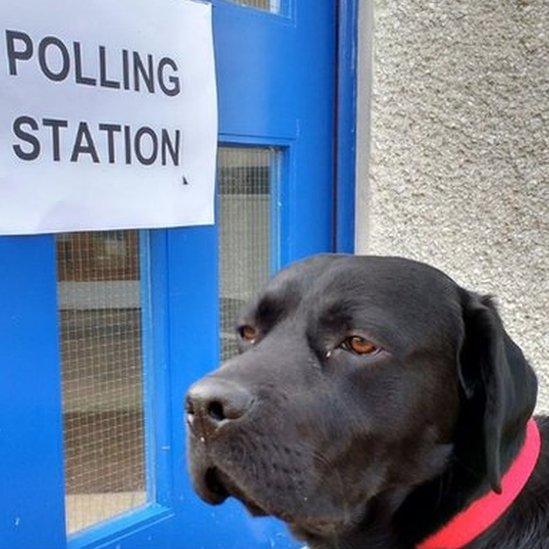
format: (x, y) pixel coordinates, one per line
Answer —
(218, 486)
(214, 490)
(214, 486)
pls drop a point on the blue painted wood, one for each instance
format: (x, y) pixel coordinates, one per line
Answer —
(31, 459)
(153, 271)
(160, 366)
(277, 80)
(346, 126)
(154, 526)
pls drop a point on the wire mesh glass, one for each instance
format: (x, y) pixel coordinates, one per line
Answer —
(102, 372)
(244, 186)
(273, 6)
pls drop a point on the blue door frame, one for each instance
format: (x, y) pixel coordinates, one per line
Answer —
(266, 98)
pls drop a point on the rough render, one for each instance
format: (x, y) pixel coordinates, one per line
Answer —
(457, 173)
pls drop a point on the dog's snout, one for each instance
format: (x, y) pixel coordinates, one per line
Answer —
(212, 402)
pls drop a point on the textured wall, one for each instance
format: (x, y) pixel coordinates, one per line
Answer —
(457, 175)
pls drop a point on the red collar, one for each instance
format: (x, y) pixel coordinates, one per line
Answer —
(483, 512)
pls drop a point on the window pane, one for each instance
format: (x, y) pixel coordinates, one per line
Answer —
(244, 179)
(266, 5)
(102, 370)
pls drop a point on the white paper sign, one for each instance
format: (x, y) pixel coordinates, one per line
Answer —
(108, 115)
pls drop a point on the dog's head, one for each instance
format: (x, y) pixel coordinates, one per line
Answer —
(356, 377)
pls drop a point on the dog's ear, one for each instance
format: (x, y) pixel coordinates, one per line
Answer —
(496, 379)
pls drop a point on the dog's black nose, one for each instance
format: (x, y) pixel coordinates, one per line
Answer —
(211, 402)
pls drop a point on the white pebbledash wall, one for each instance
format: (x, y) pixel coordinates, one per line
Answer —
(453, 155)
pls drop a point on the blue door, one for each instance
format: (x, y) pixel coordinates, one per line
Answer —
(102, 333)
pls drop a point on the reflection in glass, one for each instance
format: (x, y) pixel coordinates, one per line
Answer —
(102, 372)
(272, 6)
(244, 179)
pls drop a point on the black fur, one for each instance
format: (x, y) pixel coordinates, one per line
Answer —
(358, 451)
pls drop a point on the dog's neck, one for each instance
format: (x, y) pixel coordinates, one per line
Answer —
(433, 504)
(401, 518)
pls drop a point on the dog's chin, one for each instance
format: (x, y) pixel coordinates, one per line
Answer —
(314, 529)
(214, 487)
(208, 486)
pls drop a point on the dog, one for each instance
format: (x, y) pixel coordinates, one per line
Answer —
(373, 402)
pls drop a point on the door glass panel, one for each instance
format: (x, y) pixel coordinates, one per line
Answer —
(273, 6)
(99, 298)
(245, 177)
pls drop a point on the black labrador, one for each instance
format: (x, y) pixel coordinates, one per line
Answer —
(373, 399)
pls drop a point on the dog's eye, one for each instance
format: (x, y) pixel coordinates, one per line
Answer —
(359, 345)
(249, 333)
